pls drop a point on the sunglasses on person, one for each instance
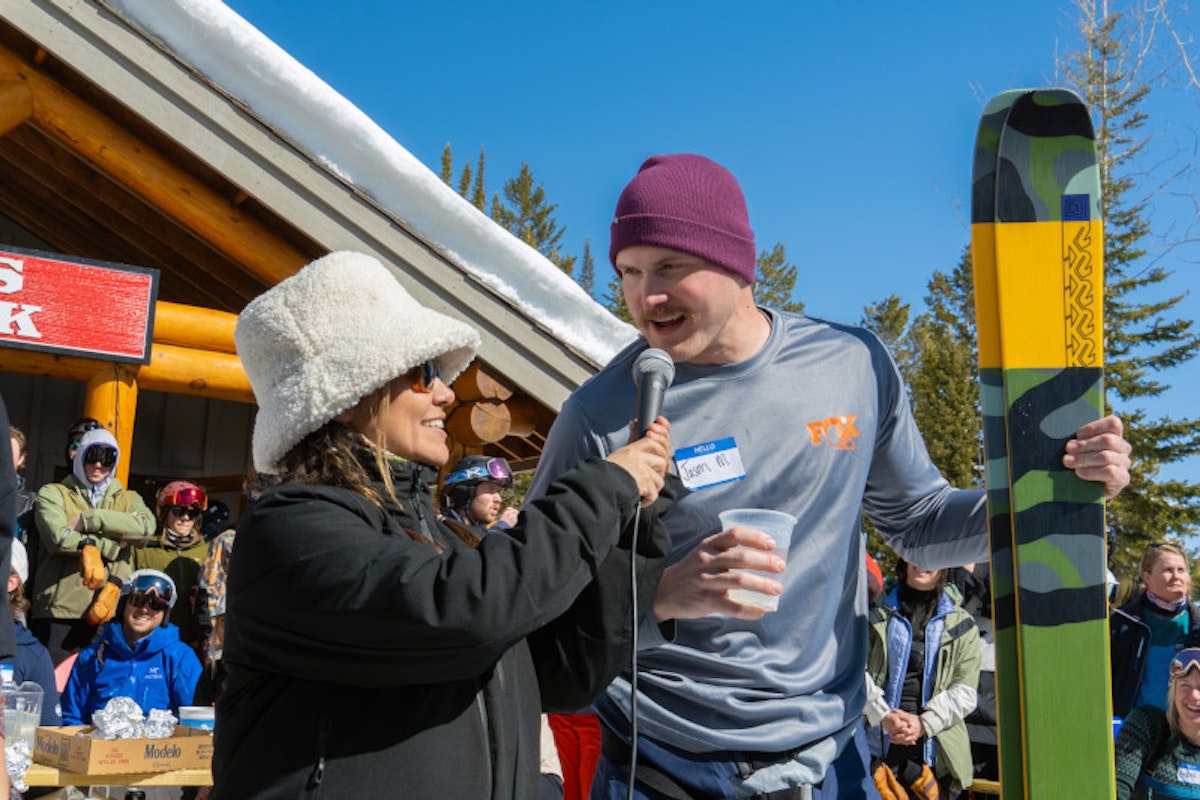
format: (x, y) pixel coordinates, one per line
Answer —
(149, 600)
(100, 454)
(1185, 661)
(190, 512)
(496, 470)
(424, 375)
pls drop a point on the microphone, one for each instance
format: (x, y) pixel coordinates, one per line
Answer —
(653, 372)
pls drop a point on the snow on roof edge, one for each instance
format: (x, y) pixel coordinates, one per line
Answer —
(295, 103)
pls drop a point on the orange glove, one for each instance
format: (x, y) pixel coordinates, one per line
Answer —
(885, 781)
(104, 604)
(926, 787)
(91, 565)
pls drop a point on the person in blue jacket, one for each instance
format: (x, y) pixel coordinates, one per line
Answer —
(32, 661)
(139, 655)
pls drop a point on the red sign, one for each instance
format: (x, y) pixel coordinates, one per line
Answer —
(80, 307)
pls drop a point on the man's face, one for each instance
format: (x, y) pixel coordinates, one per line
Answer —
(486, 506)
(101, 463)
(142, 615)
(181, 520)
(687, 306)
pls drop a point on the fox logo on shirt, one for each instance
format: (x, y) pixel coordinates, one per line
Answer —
(837, 432)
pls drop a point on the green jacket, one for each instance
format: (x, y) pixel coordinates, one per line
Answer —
(183, 565)
(121, 519)
(955, 682)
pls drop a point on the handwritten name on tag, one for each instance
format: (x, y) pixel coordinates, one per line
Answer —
(709, 464)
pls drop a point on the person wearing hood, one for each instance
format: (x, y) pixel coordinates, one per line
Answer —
(373, 649)
(90, 508)
(139, 655)
(180, 550)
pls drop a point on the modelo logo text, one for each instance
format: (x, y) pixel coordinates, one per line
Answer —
(162, 751)
(47, 744)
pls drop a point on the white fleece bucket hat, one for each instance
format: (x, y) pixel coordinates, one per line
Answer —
(318, 342)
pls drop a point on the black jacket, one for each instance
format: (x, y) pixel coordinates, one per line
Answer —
(1129, 641)
(363, 663)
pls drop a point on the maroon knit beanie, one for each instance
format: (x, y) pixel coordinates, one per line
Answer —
(687, 203)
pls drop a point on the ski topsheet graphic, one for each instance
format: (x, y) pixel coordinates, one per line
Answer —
(991, 382)
(1037, 246)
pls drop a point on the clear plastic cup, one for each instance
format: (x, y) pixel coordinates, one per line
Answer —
(22, 713)
(779, 525)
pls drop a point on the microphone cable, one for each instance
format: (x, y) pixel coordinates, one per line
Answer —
(633, 658)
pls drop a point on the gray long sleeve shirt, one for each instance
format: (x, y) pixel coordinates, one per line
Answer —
(817, 423)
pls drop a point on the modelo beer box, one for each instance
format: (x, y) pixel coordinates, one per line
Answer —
(187, 748)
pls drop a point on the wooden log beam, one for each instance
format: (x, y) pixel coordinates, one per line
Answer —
(203, 373)
(194, 327)
(16, 105)
(479, 422)
(111, 399)
(477, 384)
(32, 362)
(172, 369)
(131, 162)
(127, 229)
(524, 412)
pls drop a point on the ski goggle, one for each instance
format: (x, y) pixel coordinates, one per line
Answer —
(1185, 661)
(148, 600)
(496, 470)
(156, 585)
(100, 454)
(191, 512)
(187, 496)
(424, 375)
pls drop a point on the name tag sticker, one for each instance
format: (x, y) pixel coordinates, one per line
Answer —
(1188, 774)
(709, 464)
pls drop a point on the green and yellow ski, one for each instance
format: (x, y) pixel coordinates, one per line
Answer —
(1039, 301)
(991, 382)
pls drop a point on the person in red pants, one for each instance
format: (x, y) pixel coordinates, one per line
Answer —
(577, 737)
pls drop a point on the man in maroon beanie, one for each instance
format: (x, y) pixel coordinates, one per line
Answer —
(770, 410)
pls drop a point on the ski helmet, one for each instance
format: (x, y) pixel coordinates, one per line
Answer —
(181, 493)
(458, 488)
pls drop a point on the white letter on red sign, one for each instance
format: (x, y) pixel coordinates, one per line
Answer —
(11, 279)
(20, 316)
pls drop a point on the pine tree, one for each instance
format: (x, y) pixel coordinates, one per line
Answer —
(776, 280)
(936, 355)
(470, 181)
(614, 299)
(464, 180)
(942, 373)
(1142, 340)
(587, 270)
(888, 319)
(478, 194)
(528, 216)
(447, 165)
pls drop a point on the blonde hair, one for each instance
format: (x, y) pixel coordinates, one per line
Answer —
(1172, 690)
(1157, 550)
(17, 603)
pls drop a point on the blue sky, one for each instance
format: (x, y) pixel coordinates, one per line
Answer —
(850, 125)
